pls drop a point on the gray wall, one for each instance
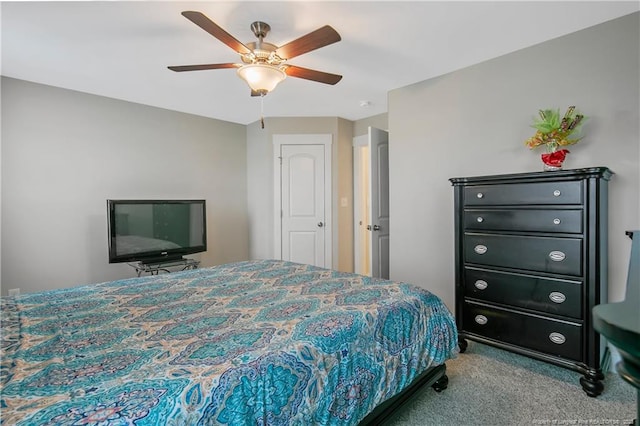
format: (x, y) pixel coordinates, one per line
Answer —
(380, 121)
(474, 122)
(64, 153)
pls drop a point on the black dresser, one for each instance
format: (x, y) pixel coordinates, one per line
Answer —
(531, 263)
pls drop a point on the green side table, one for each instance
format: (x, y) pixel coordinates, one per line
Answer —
(619, 323)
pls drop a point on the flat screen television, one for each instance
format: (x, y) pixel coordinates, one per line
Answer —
(154, 231)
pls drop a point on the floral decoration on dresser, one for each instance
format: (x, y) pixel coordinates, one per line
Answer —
(555, 132)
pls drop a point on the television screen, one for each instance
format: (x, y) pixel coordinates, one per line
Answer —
(152, 231)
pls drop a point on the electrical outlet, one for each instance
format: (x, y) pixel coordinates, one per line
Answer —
(14, 291)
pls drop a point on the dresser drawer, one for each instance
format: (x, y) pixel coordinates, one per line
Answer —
(552, 337)
(545, 254)
(566, 192)
(536, 220)
(547, 295)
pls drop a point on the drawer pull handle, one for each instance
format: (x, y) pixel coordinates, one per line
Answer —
(480, 249)
(557, 338)
(481, 319)
(481, 284)
(557, 256)
(480, 219)
(556, 221)
(557, 297)
(556, 193)
(479, 195)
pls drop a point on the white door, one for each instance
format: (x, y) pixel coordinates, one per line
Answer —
(303, 204)
(379, 167)
(303, 199)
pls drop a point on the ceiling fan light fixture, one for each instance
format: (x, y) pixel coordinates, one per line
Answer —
(261, 78)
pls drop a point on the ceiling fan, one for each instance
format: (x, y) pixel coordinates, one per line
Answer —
(264, 65)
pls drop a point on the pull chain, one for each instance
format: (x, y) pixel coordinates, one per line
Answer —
(262, 110)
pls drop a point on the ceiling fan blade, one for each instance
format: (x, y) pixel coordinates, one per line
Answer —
(319, 76)
(180, 68)
(314, 40)
(215, 30)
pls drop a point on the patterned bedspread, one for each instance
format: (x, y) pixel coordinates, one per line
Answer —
(248, 343)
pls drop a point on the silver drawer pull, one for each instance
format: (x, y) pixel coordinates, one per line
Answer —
(480, 249)
(556, 193)
(479, 195)
(481, 319)
(480, 219)
(481, 284)
(556, 221)
(557, 256)
(557, 297)
(557, 338)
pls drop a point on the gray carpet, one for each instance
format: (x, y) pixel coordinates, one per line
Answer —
(489, 386)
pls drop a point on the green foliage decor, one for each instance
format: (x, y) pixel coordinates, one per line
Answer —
(553, 131)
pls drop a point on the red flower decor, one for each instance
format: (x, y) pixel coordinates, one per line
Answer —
(555, 159)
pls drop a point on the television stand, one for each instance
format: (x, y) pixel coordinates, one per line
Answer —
(168, 266)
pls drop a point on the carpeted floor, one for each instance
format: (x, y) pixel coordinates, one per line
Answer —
(489, 386)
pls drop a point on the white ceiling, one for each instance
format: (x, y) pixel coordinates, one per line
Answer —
(121, 49)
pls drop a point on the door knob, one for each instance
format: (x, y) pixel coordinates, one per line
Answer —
(320, 224)
(376, 228)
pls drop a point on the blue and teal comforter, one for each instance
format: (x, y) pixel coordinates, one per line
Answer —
(248, 343)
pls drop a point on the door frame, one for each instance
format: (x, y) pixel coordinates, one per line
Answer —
(302, 139)
(358, 143)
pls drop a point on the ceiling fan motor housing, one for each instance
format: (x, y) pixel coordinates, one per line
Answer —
(262, 52)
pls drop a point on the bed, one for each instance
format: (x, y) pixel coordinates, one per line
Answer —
(247, 343)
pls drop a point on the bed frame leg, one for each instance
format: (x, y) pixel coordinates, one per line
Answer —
(441, 384)
(462, 343)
